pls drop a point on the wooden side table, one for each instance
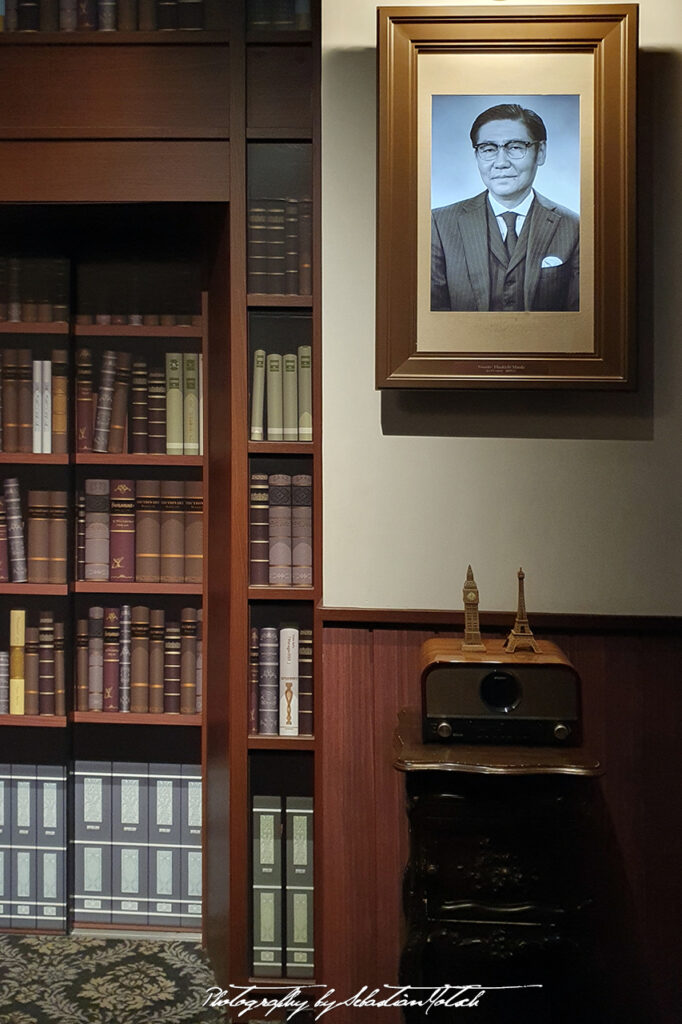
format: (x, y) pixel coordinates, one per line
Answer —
(503, 882)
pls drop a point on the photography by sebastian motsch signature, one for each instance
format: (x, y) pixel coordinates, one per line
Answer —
(293, 999)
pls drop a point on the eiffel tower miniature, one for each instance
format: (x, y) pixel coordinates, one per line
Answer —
(521, 636)
(472, 633)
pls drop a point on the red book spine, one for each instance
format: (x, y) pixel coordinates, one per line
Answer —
(112, 629)
(84, 403)
(122, 531)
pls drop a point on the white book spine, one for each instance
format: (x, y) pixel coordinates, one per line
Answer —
(290, 397)
(288, 681)
(47, 407)
(258, 395)
(38, 406)
(274, 396)
(305, 393)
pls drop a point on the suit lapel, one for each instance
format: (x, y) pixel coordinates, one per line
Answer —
(543, 225)
(474, 229)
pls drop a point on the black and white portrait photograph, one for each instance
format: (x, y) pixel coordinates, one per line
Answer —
(505, 202)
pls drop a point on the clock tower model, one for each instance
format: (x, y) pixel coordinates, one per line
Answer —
(472, 633)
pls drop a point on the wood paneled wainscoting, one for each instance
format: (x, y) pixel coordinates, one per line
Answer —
(632, 707)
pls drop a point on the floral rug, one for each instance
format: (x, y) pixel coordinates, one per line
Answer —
(69, 979)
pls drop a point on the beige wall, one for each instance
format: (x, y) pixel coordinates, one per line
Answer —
(584, 491)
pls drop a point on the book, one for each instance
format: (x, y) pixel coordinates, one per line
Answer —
(10, 400)
(25, 400)
(200, 661)
(258, 529)
(122, 531)
(127, 15)
(82, 657)
(38, 536)
(60, 401)
(302, 530)
(171, 668)
(139, 412)
(57, 539)
(172, 530)
(256, 247)
(84, 400)
(190, 14)
(147, 531)
(46, 385)
(51, 847)
(4, 549)
(156, 416)
(305, 682)
(32, 671)
(290, 397)
(258, 395)
(111, 631)
(119, 403)
(5, 843)
(23, 840)
(91, 843)
(194, 531)
(139, 659)
(273, 373)
(97, 529)
(86, 17)
(46, 683)
(288, 681)
(305, 246)
(146, 14)
(157, 627)
(291, 247)
(268, 682)
(305, 393)
(252, 698)
(96, 658)
(105, 397)
(190, 403)
(59, 670)
(37, 405)
(190, 838)
(279, 530)
(106, 15)
(68, 17)
(276, 245)
(125, 654)
(174, 404)
(165, 832)
(4, 682)
(188, 660)
(267, 885)
(15, 531)
(80, 535)
(17, 643)
(300, 951)
(166, 14)
(129, 833)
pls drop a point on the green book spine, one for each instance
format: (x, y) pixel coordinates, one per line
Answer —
(174, 404)
(290, 397)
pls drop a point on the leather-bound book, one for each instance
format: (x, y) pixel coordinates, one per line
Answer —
(84, 404)
(200, 660)
(257, 247)
(49, 15)
(139, 660)
(111, 640)
(80, 535)
(10, 401)
(156, 402)
(44, 268)
(305, 682)
(60, 401)
(59, 283)
(4, 682)
(57, 525)
(171, 669)
(28, 15)
(302, 530)
(190, 14)
(82, 635)
(119, 403)
(4, 549)
(32, 671)
(147, 531)
(172, 531)
(258, 529)
(68, 15)
(188, 661)
(59, 670)
(139, 408)
(268, 682)
(291, 247)
(29, 279)
(25, 400)
(46, 664)
(274, 226)
(14, 290)
(146, 15)
(97, 529)
(122, 532)
(157, 630)
(127, 16)
(105, 395)
(279, 530)
(95, 658)
(174, 404)
(106, 15)
(86, 16)
(215, 14)
(166, 14)
(15, 531)
(194, 531)
(17, 669)
(305, 247)
(254, 648)
(124, 658)
(38, 536)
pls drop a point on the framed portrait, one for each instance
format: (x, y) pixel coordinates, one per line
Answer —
(506, 197)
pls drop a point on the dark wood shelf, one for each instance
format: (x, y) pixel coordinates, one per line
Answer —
(104, 587)
(22, 327)
(130, 459)
(176, 331)
(281, 742)
(280, 447)
(132, 718)
(158, 38)
(34, 721)
(32, 459)
(281, 593)
(255, 299)
(261, 37)
(31, 589)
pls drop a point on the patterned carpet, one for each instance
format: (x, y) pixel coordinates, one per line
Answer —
(82, 980)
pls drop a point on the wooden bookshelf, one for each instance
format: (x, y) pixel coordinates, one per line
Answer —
(34, 721)
(132, 718)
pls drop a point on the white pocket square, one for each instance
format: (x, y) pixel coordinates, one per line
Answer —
(551, 261)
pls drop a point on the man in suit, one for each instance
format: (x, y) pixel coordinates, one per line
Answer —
(508, 248)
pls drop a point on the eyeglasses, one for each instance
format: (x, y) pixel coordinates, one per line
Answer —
(515, 149)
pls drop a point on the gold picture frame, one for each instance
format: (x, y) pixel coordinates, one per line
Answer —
(438, 65)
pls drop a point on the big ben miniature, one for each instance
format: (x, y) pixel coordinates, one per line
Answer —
(521, 636)
(472, 633)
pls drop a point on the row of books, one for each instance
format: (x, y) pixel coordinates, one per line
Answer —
(41, 557)
(282, 388)
(281, 681)
(136, 844)
(110, 15)
(279, 15)
(139, 660)
(138, 408)
(138, 292)
(32, 680)
(143, 531)
(283, 892)
(34, 290)
(33, 846)
(34, 398)
(279, 246)
(280, 530)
